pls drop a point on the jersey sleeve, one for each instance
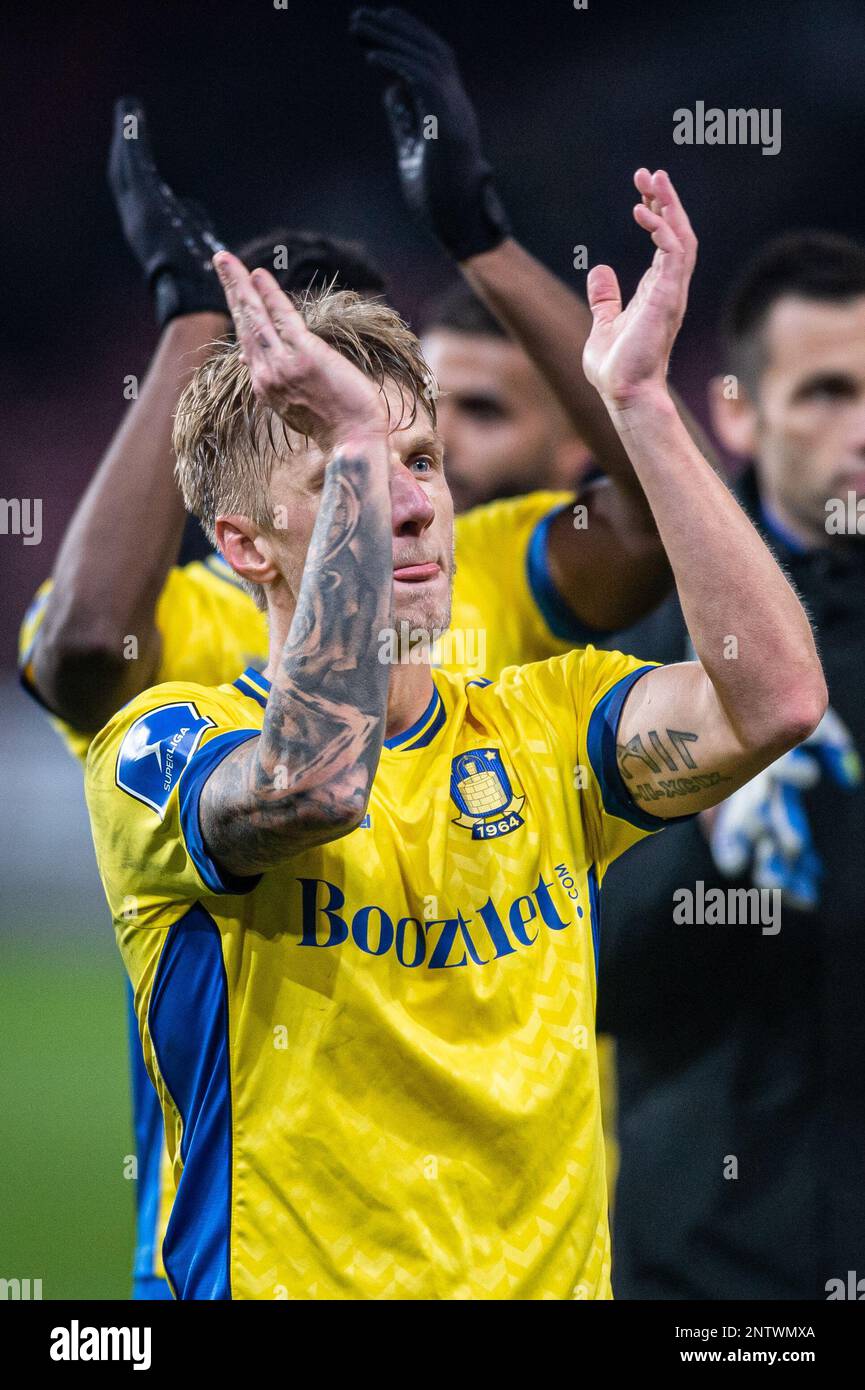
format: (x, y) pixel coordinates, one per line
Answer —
(145, 773)
(584, 694)
(614, 820)
(209, 626)
(504, 597)
(209, 629)
(75, 740)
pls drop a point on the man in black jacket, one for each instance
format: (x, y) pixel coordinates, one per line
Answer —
(741, 1045)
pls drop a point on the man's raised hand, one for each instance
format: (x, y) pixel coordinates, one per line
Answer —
(629, 349)
(446, 181)
(311, 386)
(172, 239)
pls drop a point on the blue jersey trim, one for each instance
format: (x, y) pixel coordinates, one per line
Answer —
(776, 529)
(192, 781)
(595, 913)
(34, 609)
(556, 613)
(188, 1026)
(255, 685)
(421, 732)
(602, 734)
(147, 1123)
(424, 729)
(428, 734)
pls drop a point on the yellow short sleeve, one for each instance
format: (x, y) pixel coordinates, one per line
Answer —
(145, 772)
(505, 609)
(583, 694)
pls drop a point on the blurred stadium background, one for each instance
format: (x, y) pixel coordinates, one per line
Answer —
(267, 115)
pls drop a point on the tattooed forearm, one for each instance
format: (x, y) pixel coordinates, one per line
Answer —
(307, 778)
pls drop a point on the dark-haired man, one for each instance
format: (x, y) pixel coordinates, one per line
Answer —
(505, 430)
(741, 1044)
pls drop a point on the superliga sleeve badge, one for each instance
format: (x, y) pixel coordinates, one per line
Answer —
(156, 749)
(483, 794)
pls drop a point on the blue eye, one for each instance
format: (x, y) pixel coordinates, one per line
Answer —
(425, 459)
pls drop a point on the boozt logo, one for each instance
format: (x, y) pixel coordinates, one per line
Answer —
(439, 944)
(156, 750)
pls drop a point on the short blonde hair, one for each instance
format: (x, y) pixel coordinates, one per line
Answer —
(224, 437)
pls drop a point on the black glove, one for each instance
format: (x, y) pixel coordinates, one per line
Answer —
(172, 239)
(447, 182)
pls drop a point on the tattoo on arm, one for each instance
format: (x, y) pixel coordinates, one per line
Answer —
(673, 755)
(316, 758)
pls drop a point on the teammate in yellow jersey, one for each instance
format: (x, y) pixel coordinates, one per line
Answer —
(356, 899)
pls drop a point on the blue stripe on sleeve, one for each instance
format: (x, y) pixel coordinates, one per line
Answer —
(147, 1122)
(558, 616)
(595, 912)
(602, 734)
(192, 781)
(188, 1025)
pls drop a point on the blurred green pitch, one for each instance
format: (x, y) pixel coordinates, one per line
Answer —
(67, 1210)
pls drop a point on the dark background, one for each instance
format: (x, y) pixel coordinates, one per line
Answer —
(269, 115)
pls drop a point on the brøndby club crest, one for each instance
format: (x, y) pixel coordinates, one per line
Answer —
(482, 792)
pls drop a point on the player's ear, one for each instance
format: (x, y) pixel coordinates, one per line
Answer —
(733, 415)
(240, 543)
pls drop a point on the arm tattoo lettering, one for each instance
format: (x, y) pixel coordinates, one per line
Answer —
(635, 748)
(673, 754)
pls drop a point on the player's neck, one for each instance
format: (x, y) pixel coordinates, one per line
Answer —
(409, 693)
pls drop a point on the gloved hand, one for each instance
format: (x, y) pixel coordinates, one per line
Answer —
(172, 239)
(446, 181)
(765, 822)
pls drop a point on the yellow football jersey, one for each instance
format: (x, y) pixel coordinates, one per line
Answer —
(505, 612)
(377, 1062)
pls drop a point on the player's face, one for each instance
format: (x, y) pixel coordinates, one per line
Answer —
(503, 431)
(421, 511)
(808, 426)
